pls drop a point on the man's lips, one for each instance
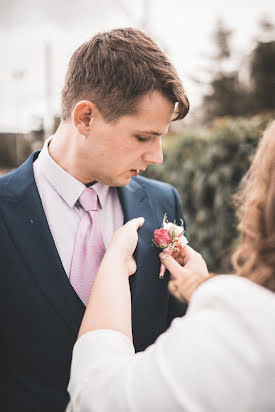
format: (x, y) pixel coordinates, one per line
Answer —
(138, 170)
(134, 172)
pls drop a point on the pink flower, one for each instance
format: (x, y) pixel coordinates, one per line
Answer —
(161, 238)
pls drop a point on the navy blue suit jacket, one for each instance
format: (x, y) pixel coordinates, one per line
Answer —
(40, 312)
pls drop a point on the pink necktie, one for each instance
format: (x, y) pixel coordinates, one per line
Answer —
(89, 248)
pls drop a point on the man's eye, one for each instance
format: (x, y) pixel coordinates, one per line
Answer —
(142, 139)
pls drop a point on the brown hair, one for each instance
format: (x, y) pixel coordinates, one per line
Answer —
(255, 256)
(115, 70)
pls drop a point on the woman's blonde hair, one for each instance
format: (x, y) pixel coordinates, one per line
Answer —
(255, 201)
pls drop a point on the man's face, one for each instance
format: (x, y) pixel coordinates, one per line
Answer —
(115, 152)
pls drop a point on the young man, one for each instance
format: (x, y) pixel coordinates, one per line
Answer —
(58, 212)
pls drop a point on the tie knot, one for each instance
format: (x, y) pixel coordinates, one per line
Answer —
(88, 199)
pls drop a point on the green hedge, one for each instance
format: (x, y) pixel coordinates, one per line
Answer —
(206, 167)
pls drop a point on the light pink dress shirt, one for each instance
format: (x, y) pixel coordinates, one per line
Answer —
(59, 192)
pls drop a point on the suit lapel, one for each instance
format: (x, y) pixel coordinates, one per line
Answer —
(135, 202)
(30, 232)
(149, 295)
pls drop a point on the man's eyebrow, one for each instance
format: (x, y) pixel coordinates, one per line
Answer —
(151, 132)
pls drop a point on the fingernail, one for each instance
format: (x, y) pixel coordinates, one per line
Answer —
(162, 256)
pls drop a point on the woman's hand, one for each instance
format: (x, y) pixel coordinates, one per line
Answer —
(188, 270)
(123, 244)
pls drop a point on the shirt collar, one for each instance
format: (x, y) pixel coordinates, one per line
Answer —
(102, 193)
(67, 186)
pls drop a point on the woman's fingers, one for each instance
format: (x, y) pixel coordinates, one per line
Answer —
(171, 264)
(136, 222)
(132, 266)
(140, 221)
(186, 254)
(167, 251)
(125, 238)
(187, 271)
(162, 271)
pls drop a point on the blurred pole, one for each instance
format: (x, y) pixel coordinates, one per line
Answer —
(48, 120)
(18, 76)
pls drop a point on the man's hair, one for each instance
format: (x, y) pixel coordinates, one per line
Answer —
(115, 70)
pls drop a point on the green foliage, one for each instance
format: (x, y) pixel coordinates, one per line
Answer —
(206, 168)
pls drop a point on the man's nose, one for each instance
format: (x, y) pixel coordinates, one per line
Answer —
(154, 155)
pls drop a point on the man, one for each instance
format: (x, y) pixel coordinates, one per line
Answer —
(119, 96)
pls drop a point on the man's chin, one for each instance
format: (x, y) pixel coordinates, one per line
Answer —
(119, 182)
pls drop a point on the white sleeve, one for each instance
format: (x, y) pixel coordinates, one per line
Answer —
(194, 366)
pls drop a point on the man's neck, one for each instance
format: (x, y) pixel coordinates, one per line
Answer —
(63, 150)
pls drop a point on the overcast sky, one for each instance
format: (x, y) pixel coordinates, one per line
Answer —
(182, 27)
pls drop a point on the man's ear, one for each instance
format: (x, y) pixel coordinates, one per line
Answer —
(83, 115)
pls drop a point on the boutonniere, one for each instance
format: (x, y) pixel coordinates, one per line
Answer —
(170, 237)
